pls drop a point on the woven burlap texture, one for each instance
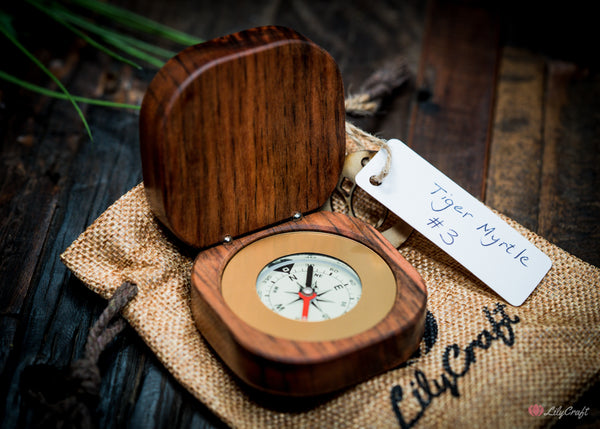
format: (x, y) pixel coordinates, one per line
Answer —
(482, 363)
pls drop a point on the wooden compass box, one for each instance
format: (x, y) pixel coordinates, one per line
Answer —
(241, 132)
(237, 135)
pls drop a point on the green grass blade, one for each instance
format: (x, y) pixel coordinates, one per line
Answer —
(10, 36)
(148, 47)
(109, 36)
(81, 34)
(5, 23)
(54, 94)
(133, 51)
(137, 22)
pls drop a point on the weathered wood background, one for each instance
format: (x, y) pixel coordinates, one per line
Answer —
(504, 99)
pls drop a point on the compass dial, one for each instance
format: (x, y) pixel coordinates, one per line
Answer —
(309, 286)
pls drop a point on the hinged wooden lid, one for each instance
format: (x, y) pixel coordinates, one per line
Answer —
(240, 132)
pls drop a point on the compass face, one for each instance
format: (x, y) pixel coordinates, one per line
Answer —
(309, 286)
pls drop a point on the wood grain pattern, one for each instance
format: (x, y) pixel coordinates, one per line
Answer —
(517, 137)
(451, 122)
(571, 138)
(545, 139)
(303, 368)
(241, 132)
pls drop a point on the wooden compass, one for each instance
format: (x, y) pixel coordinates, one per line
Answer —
(242, 141)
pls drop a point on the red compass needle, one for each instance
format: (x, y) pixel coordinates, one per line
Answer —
(306, 303)
(307, 293)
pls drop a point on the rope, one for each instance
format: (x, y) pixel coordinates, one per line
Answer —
(391, 76)
(67, 398)
(364, 139)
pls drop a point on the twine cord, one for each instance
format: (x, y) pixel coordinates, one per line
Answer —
(68, 397)
(377, 179)
(382, 83)
(391, 76)
(363, 139)
(101, 332)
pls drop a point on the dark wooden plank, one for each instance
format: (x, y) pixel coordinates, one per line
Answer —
(570, 185)
(388, 30)
(514, 173)
(29, 180)
(545, 155)
(456, 84)
(57, 311)
(53, 186)
(32, 174)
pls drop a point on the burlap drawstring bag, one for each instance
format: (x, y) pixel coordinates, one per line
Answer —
(482, 362)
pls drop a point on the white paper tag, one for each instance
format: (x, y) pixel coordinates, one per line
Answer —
(457, 222)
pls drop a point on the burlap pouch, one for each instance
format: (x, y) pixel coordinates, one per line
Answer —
(482, 363)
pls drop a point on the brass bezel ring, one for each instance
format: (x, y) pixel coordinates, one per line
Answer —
(238, 285)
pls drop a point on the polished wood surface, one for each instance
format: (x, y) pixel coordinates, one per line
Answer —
(455, 95)
(304, 368)
(542, 168)
(241, 132)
